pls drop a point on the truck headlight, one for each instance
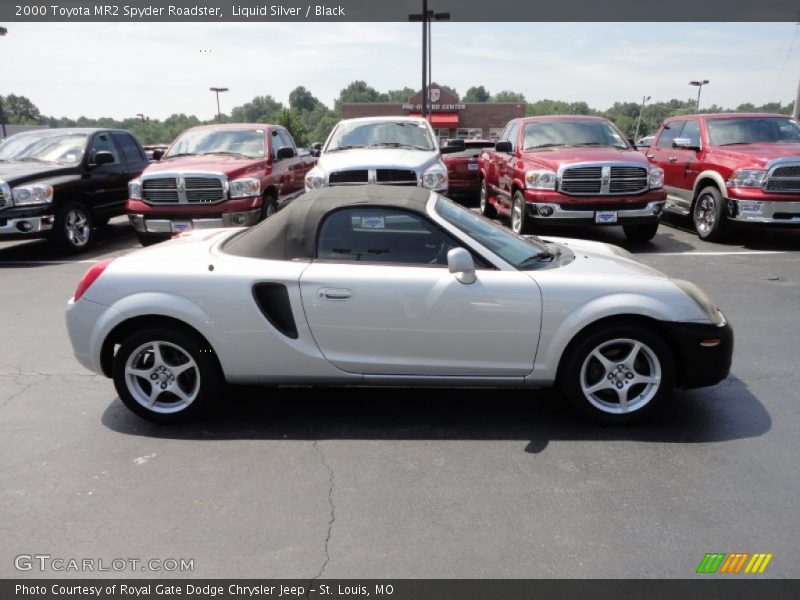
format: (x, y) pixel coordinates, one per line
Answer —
(540, 179)
(135, 189)
(747, 178)
(315, 179)
(434, 178)
(656, 178)
(245, 187)
(37, 193)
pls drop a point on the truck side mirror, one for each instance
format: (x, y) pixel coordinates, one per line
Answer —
(685, 144)
(504, 147)
(285, 152)
(157, 154)
(102, 157)
(316, 148)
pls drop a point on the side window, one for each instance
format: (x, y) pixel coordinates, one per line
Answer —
(382, 235)
(504, 136)
(288, 142)
(512, 135)
(276, 142)
(130, 149)
(691, 131)
(669, 133)
(102, 142)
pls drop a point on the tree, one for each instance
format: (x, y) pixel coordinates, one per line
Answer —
(294, 125)
(477, 94)
(358, 91)
(508, 96)
(20, 110)
(399, 95)
(261, 109)
(300, 99)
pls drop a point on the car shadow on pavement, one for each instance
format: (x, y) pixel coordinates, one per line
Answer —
(765, 238)
(726, 412)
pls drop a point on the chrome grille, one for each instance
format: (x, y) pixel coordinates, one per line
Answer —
(348, 177)
(395, 177)
(382, 176)
(784, 180)
(603, 180)
(179, 190)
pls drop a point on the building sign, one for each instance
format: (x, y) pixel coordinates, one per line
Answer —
(439, 99)
(435, 107)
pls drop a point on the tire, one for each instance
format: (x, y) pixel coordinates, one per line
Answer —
(520, 223)
(73, 230)
(187, 373)
(708, 215)
(616, 360)
(268, 207)
(640, 233)
(486, 207)
(148, 239)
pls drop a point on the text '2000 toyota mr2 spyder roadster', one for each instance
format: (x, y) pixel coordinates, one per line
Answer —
(385, 286)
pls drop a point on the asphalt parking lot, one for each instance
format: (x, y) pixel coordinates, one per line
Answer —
(363, 483)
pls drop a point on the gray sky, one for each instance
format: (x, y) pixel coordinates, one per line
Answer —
(118, 70)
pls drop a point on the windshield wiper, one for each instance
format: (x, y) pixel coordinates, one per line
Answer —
(740, 143)
(225, 153)
(542, 256)
(343, 148)
(546, 146)
(181, 154)
(35, 159)
(397, 145)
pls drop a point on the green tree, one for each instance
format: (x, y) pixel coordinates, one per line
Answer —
(358, 91)
(261, 109)
(300, 99)
(508, 96)
(399, 95)
(20, 110)
(294, 125)
(477, 94)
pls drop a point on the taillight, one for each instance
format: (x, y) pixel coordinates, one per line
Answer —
(91, 276)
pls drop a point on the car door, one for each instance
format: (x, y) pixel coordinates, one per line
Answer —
(691, 160)
(380, 300)
(673, 162)
(281, 169)
(506, 167)
(106, 186)
(294, 164)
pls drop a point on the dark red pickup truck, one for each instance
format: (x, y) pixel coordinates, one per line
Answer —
(730, 168)
(228, 175)
(571, 170)
(463, 173)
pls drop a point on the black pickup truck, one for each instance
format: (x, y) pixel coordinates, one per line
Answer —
(64, 183)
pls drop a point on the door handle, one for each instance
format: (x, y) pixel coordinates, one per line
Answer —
(650, 156)
(673, 159)
(335, 294)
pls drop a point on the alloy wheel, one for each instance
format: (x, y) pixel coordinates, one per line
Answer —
(77, 228)
(162, 377)
(516, 217)
(705, 215)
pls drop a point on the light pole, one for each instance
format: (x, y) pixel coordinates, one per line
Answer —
(639, 120)
(142, 117)
(425, 17)
(699, 85)
(217, 91)
(3, 31)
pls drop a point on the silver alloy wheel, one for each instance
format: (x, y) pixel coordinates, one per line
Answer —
(76, 227)
(162, 377)
(705, 214)
(484, 193)
(270, 210)
(516, 216)
(621, 376)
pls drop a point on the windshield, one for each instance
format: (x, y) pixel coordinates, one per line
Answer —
(519, 251)
(753, 130)
(549, 134)
(249, 143)
(63, 149)
(387, 134)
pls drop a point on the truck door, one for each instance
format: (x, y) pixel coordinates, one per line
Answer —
(663, 154)
(106, 187)
(506, 167)
(280, 167)
(296, 164)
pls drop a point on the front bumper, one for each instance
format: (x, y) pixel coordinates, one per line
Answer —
(777, 212)
(25, 223)
(559, 214)
(174, 223)
(702, 360)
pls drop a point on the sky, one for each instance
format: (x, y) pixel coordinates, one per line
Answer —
(121, 69)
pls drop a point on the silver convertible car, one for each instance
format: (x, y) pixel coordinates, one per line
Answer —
(392, 286)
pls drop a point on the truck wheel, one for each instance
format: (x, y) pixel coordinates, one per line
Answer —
(148, 239)
(73, 230)
(618, 373)
(708, 215)
(640, 233)
(487, 210)
(269, 207)
(520, 223)
(166, 375)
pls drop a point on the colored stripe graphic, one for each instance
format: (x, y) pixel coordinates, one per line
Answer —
(734, 563)
(758, 563)
(711, 562)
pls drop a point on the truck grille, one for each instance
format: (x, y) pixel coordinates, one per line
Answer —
(604, 180)
(382, 176)
(180, 190)
(348, 177)
(784, 180)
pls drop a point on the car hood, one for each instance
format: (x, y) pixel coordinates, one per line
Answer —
(14, 173)
(606, 260)
(757, 155)
(553, 158)
(377, 158)
(214, 163)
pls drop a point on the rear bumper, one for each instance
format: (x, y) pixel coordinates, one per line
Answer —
(776, 212)
(700, 363)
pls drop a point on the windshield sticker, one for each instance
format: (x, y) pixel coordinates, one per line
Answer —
(373, 223)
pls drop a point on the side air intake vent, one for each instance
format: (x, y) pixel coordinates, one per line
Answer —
(273, 301)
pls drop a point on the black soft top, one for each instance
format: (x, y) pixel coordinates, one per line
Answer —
(292, 233)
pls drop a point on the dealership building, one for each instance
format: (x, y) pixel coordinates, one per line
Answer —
(450, 117)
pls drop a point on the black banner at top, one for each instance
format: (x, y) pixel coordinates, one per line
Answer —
(396, 10)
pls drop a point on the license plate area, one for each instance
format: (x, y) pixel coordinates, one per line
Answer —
(180, 226)
(605, 216)
(472, 167)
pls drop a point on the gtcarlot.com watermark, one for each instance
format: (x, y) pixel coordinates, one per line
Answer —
(55, 564)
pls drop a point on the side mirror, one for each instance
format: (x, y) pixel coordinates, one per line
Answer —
(632, 142)
(316, 148)
(102, 157)
(285, 152)
(459, 261)
(157, 154)
(684, 144)
(504, 147)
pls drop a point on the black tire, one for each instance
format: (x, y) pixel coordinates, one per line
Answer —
(148, 239)
(520, 223)
(708, 215)
(73, 229)
(268, 207)
(640, 233)
(487, 208)
(200, 383)
(580, 369)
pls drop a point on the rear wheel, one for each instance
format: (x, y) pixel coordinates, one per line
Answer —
(269, 207)
(73, 230)
(640, 233)
(487, 210)
(618, 374)
(520, 223)
(708, 215)
(166, 375)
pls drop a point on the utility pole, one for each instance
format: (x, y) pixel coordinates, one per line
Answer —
(2, 117)
(217, 91)
(699, 84)
(426, 17)
(796, 111)
(639, 120)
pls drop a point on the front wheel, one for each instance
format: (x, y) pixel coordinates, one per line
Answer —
(640, 233)
(166, 375)
(74, 228)
(618, 374)
(269, 207)
(708, 215)
(487, 210)
(520, 223)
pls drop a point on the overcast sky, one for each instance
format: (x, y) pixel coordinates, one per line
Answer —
(118, 70)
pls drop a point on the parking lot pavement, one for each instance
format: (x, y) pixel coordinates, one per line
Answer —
(363, 483)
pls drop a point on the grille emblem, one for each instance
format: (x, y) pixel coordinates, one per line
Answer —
(605, 180)
(181, 184)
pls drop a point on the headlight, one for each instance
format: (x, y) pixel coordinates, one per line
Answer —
(245, 187)
(703, 300)
(656, 178)
(33, 194)
(434, 178)
(315, 179)
(135, 189)
(747, 178)
(539, 179)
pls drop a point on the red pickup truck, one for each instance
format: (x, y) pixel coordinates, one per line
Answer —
(463, 175)
(570, 170)
(730, 168)
(228, 175)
